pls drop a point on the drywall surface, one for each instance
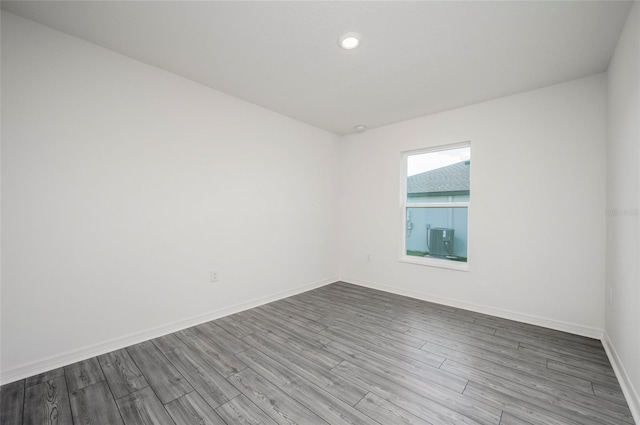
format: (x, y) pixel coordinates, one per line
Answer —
(623, 209)
(536, 215)
(124, 185)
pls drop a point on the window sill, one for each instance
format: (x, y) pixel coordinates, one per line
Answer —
(435, 262)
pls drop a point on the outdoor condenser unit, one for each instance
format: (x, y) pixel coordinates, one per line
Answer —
(440, 241)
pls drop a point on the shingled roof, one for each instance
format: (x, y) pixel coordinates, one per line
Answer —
(450, 180)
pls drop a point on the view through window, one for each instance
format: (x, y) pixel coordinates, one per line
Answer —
(436, 203)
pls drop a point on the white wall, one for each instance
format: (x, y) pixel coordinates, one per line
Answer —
(623, 205)
(123, 185)
(536, 225)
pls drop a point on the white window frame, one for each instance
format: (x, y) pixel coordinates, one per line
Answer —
(433, 262)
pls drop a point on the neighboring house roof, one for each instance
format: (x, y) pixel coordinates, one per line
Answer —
(452, 179)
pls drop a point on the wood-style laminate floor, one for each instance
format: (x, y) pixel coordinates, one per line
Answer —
(340, 354)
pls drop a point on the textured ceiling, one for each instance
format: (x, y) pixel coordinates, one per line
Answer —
(416, 57)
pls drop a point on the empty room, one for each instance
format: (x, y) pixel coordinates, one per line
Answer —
(320, 212)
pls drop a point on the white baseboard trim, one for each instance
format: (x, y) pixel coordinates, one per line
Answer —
(70, 357)
(559, 325)
(629, 391)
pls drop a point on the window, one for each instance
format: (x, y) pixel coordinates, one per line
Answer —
(435, 206)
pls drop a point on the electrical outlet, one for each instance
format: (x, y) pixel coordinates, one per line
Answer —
(214, 276)
(368, 258)
(610, 295)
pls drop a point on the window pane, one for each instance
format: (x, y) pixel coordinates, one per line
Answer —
(441, 176)
(437, 232)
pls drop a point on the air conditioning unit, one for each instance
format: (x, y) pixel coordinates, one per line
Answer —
(440, 242)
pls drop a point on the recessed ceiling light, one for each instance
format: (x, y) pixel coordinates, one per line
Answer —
(349, 41)
(360, 128)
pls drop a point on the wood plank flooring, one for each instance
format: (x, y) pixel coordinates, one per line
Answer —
(340, 354)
